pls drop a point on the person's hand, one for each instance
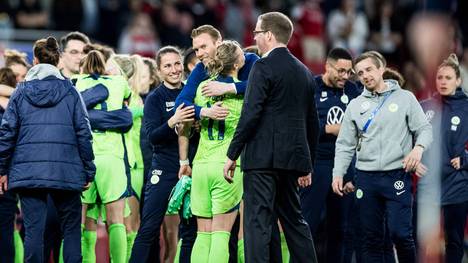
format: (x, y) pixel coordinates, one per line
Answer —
(420, 170)
(455, 162)
(333, 129)
(412, 160)
(348, 188)
(87, 186)
(185, 170)
(3, 184)
(228, 170)
(216, 112)
(305, 181)
(337, 185)
(182, 114)
(216, 88)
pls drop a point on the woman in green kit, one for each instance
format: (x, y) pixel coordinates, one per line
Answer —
(214, 201)
(110, 185)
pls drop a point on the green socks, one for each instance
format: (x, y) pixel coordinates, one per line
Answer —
(19, 248)
(284, 249)
(219, 250)
(240, 251)
(130, 240)
(88, 246)
(118, 243)
(201, 248)
(179, 246)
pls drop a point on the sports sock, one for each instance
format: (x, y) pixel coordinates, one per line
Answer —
(88, 246)
(240, 251)
(201, 248)
(118, 243)
(19, 247)
(130, 240)
(219, 250)
(284, 249)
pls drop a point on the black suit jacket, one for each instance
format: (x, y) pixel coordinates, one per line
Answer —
(278, 127)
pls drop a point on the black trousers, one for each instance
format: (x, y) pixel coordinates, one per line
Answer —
(454, 225)
(268, 195)
(34, 206)
(7, 226)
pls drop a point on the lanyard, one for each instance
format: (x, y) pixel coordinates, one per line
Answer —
(374, 112)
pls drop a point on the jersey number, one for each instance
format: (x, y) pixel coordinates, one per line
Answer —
(221, 127)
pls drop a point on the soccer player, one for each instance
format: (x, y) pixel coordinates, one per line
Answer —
(378, 127)
(214, 201)
(110, 186)
(447, 111)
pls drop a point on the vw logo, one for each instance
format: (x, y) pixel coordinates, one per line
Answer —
(399, 185)
(335, 115)
(429, 115)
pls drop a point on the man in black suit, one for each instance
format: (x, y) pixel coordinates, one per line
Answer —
(277, 134)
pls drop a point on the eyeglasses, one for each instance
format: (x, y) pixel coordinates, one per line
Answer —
(259, 31)
(342, 71)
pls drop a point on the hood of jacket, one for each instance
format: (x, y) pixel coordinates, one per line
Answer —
(391, 84)
(44, 86)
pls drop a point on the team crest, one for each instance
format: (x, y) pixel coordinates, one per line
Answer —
(393, 107)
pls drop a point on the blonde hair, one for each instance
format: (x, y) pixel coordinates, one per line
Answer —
(13, 57)
(125, 64)
(452, 61)
(135, 79)
(225, 58)
(206, 29)
(151, 63)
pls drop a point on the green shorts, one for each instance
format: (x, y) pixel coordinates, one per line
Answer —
(96, 210)
(137, 181)
(211, 194)
(110, 182)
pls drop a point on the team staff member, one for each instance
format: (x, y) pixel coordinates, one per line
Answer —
(159, 125)
(205, 39)
(379, 127)
(45, 149)
(450, 108)
(332, 96)
(72, 46)
(276, 134)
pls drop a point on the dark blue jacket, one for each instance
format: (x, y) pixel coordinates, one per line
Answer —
(449, 115)
(159, 108)
(45, 137)
(331, 106)
(200, 74)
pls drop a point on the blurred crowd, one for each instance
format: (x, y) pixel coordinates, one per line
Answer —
(143, 26)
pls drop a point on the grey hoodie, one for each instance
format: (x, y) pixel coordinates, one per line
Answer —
(389, 138)
(41, 71)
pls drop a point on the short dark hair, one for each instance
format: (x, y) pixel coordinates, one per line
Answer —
(46, 50)
(73, 36)
(278, 24)
(339, 53)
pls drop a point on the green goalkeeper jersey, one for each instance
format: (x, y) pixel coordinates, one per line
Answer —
(106, 142)
(215, 136)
